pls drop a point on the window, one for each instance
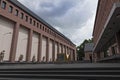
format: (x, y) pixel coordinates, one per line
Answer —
(21, 15)
(34, 23)
(43, 28)
(37, 24)
(10, 9)
(30, 21)
(0, 2)
(26, 18)
(40, 26)
(16, 12)
(3, 5)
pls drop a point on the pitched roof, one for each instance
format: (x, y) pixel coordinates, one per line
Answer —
(88, 47)
(21, 6)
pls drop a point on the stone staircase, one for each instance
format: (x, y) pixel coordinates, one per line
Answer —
(83, 71)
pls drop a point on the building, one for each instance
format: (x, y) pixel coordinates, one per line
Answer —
(24, 34)
(88, 51)
(106, 33)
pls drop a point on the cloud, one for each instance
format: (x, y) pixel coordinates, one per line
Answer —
(73, 18)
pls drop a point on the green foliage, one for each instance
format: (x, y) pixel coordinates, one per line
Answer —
(80, 48)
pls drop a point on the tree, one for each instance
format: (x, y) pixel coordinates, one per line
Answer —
(80, 48)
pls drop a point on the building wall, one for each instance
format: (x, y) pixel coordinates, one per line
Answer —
(103, 11)
(56, 51)
(22, 43)
(6, 33)
(87, 55)
(35, 42)
(44, 46)
(50, 50)
(23, 27)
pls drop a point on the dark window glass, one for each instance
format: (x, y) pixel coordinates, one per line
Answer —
(40, 26)
(10, 9)
(34, 23)
(21, 15)
(26, 18)
(30, 21)
(0, 2)
(3, 5)
(16, 12)
(37, 24)
(43, 28)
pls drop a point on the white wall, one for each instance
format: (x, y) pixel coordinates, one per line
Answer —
(60, 48)
(56, 46)
(43, 54)
(35, 42)
(63, 49)
(6, 33)
(50, 50)
(22, 43)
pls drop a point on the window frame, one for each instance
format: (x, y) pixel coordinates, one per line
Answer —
(26, 18)
(21, 15)
(3, 5)
(16, 12)
(30, 20)
(10, 9)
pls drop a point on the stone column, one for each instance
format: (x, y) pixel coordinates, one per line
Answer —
(118, 40)
(53, 51)
(65, 49)
(40, 48)
(29, 46)
(58, 46)
(14, 42)
(75, 57)
(61, 48)
(47, 50)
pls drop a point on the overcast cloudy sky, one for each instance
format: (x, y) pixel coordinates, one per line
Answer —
(73, 18)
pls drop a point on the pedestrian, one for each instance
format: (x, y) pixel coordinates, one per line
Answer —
(2, 55)
(91, 59)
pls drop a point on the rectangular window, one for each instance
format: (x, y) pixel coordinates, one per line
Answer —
(34, 23)
(0, 2)
(3, 5)
(16, 12)
(10, 9)
(30, 21)
(21, 15)
(40, 26)
(37, 25)
(43, 28)
(26, 18)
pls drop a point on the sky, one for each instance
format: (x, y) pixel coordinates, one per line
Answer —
(73, 18)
